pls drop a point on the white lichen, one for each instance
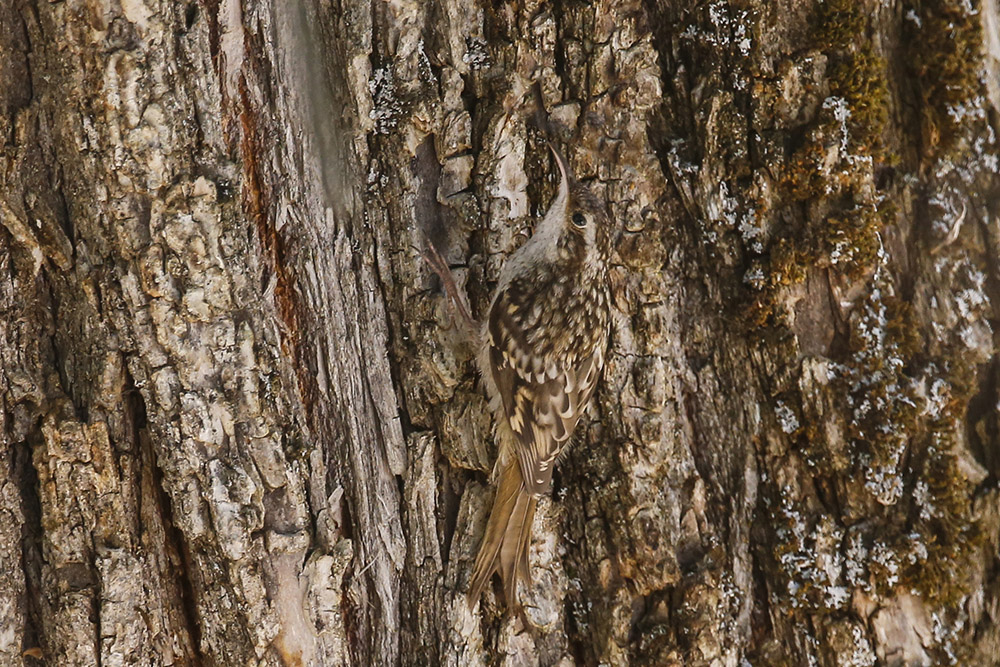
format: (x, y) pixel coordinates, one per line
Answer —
(886, 558)
(754, 277)
(856, 562)
(863, 654)
(786, 418)
(386, 106)
(477, 54)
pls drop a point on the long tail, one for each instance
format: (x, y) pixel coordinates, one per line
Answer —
(508, 532)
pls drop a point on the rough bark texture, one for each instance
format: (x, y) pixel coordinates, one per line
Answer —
(238, 429)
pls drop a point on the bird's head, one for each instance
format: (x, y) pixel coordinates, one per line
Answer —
(578, 222)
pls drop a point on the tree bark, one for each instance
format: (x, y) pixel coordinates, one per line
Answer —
(238, 425)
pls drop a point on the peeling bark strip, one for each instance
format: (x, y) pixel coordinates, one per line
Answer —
(237, 429)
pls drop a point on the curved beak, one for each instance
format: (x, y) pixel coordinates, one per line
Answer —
(565, 175)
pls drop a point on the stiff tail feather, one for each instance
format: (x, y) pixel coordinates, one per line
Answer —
(508, 532)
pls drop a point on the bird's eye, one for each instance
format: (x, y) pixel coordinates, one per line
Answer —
(579, 219)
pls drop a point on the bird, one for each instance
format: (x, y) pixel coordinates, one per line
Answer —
(541, 350)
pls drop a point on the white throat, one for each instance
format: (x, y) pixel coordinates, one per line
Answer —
(543, 244)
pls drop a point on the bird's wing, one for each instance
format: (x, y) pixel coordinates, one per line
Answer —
(542, 397)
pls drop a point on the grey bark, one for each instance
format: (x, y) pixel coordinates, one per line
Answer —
(238, 427)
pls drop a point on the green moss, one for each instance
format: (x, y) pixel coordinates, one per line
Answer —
(943, 512)
(882, 400)
(860, 79)
(901, 328)
(784, 266)
(931, 550)
(831, 161)
(857, 72)
(803, 177)
(850, 239)
(837, 24)
(945, 51)
(904, 448)
(951, 535)
(788, 263)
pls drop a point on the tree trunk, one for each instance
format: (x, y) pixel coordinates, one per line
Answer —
(238, 427)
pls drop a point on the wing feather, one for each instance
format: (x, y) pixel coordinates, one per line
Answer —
(542, 398)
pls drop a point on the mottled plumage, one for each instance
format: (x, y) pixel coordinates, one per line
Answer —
(542, 350)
